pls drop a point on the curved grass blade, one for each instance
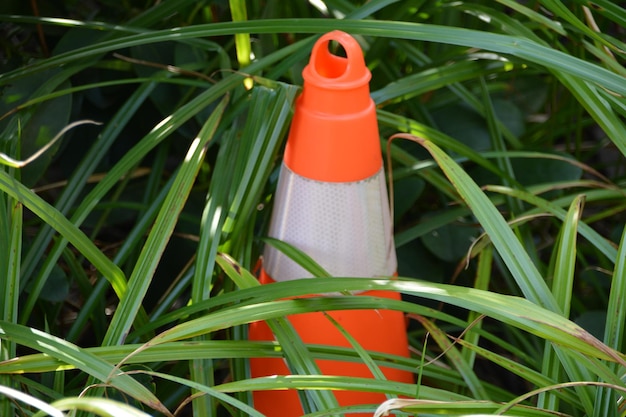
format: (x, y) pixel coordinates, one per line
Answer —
(465, 408)
(159, 235)
(30, 400)
(562, 284)
(505, 44)
(516, 311)
(602, 244)
(201, 349)
(90, 364)
(472, 382)
(614, 330)
(103, 407)
(295, 254)
(506, 243)
(67, 229)
(7, 160)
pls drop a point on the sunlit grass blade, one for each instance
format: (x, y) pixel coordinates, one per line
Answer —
(326, 383)
(601, 243)
(99, 369)
(614, 330)
(562, 284)
(511, 310)
(75, 186)
(519, 47)
(103, 407)
(8, 392)
(301, 258)
(202, 349)
(161, 230)
(506, 243)
(67, 229)
(239, 13)
(464, 408)
(241, 172)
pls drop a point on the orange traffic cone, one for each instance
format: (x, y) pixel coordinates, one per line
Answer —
(331, 203)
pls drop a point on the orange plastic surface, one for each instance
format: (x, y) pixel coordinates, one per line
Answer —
(375, 330)
(334, 132)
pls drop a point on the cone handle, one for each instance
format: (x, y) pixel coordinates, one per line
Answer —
(329, 65)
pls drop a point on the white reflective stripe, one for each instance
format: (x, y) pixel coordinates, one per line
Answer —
(345, 227)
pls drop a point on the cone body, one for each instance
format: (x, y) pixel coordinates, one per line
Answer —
(331, 203)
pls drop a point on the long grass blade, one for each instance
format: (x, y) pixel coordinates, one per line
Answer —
(614, 330)
(506, 243)
(521, 48)
(51, 216)
(562, 285)
(162, 229)
(69, 353)
(512, 310)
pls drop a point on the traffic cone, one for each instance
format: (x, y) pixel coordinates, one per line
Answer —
(331, 203)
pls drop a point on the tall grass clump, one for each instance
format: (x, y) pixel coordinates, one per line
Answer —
(138, 157)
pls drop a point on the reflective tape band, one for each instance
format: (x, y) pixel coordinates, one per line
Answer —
(343, 226)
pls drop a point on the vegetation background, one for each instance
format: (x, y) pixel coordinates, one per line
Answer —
(126, 247)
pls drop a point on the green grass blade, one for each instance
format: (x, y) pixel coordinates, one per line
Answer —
(606, 400)
(603, 245)
(563, 281)
(205, 349)
(68, 197)
(161, 230)
(562, 284)
(591, 99)
(295, 254)
(512, 310)
(69, 231)
(456, 358)
(505, 44)
(239, 13)
(506, 243)
(103, 407)
(92, 365)
(483, 278)
(10, 261)
(224, 398)
(8, 392)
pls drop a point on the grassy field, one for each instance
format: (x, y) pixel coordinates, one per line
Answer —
(139, 154)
